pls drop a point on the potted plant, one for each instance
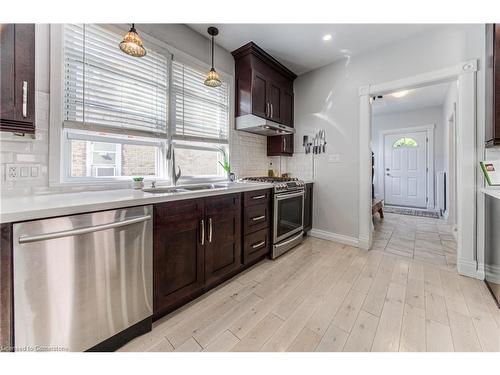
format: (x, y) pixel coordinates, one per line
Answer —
(225, 165)
(138, 182)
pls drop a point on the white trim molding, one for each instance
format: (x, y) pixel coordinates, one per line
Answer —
(465, 74)
(334, 237)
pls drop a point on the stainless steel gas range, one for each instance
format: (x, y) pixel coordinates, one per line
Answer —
(288, 212)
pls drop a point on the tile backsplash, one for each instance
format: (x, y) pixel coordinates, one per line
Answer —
(27, 150)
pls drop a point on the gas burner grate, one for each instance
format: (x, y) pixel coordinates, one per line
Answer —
(271, 179)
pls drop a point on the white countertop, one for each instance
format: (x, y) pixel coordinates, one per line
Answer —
(492, 191)
(32, 207)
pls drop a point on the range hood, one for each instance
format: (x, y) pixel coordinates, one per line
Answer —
(258, 125)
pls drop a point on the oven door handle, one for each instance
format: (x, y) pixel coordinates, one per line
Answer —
(280, 197)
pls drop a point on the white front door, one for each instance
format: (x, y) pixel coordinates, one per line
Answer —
(405, 163)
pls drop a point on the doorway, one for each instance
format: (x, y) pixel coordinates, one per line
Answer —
(405, 169)
(465, 74)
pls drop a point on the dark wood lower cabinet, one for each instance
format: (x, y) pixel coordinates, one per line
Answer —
(223, 239)
(179, 253)
(308, 203)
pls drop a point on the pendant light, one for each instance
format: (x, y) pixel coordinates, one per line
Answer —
(213, 79)
(132, 43)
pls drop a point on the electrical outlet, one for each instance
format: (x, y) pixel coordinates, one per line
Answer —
(12, 172)
(16, 172)
(334, 158)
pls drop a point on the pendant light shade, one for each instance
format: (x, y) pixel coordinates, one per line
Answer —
(132, 44)
(213, 79)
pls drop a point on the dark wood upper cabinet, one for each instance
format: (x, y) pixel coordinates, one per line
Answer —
(493, 128)
(264, 87)
(17, 75)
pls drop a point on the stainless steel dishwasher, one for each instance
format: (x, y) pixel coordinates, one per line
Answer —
(82, 281)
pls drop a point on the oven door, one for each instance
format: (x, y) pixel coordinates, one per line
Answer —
(288, 214)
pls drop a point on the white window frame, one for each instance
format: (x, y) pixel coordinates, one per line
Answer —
(58, 163)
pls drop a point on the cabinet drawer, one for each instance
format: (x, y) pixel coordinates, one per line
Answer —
(256, 218)
(222, 203)
(255, 245)
(252, 198)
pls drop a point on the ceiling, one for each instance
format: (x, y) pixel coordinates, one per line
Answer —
(423, 97)
(300, 47)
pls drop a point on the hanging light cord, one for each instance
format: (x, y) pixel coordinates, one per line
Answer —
(212, 51)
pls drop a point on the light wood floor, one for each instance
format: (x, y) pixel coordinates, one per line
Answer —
(324, 296)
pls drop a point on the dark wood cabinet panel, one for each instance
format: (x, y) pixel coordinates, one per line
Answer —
(17, 77)
(223, 237)
(256, 197)
(286, 106)
(179, 255)
(259, 96)
(280, 145)
(256, 245)
(274, 99)
(493, 138)
(6, 289)
(256, 218)
(308, 205)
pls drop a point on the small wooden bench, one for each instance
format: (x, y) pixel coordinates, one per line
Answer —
(378, 206)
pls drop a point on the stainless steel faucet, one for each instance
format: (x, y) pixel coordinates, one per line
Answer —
(174, 177)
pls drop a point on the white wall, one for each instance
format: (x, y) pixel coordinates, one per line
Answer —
(407, 119)
(247, 151)
(328, 98)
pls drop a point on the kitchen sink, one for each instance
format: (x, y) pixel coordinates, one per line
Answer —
(182, 189)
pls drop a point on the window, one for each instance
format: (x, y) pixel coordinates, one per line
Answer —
(105, 88)
(405, 142)
(115, 107)
(118, 112)
(201, 112)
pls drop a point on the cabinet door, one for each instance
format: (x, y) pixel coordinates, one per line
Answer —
(280, 145)
(17, 74)
(274, 99)
(7, 84)
(178, 247)
(286, 111)
(259, 96)
(25, 72)
(223, 240)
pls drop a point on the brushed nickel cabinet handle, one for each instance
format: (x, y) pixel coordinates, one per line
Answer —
(25, 99)
(202, 225)
(259, 197)
(210, 230)
(255, 246)
(284, 144)
(258, 218)
(272, 110)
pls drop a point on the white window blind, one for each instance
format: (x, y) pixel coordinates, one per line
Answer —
(107, 90)
(201, 112)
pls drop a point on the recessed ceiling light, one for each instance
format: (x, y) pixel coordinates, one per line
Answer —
(327, 37)
(400, 94)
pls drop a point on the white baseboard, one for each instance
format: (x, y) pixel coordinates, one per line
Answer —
(340, 238)
(492, 272)
(469, 268)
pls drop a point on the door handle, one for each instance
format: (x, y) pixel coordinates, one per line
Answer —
(284, 144)
(202, 225)
(258, 218)
(272, 110)
(267, 109)
(25, 99)
(210, 230)
(80, 231)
